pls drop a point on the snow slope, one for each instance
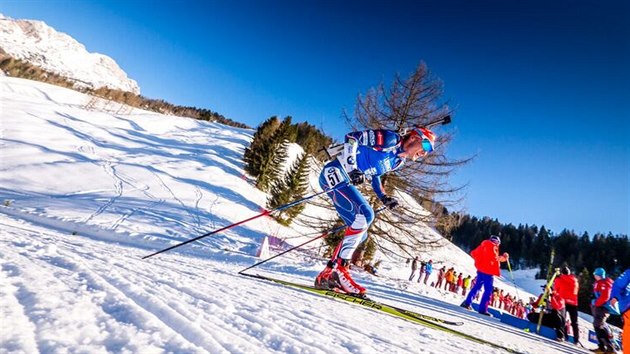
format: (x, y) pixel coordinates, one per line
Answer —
(41, 45)
(85, 194)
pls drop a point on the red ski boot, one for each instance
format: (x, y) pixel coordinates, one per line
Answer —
(344, 279)
(326, 280)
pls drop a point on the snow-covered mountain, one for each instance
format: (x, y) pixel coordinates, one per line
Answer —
(41, 45)
(85, 194)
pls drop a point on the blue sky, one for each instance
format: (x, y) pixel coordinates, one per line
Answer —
(541, 91)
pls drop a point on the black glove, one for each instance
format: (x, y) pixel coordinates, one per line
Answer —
(389, 202)
(356, 177)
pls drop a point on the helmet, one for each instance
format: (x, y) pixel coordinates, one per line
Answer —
(427, 136)
(566, 270)
(495, 239)
(600, 272)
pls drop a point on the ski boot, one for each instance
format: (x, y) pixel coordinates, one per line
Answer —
(466, 306)
(342, 275)
(325, 279)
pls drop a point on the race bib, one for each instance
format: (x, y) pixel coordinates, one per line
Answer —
(334, 176)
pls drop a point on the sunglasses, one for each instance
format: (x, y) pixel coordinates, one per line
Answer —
(426, 145)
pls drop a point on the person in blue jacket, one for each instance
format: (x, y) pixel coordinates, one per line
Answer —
(427, 271)
(601, 309)
(620, 295)
(366, 154)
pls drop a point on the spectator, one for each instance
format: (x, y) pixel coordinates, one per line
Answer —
(529, 307)
(508, 303)
(448, 278)
(423, 266)
(567, 287)
(495, 297)
(520, 309)
(440, 277)
(453, 282)
(601, 310)
(428, 270)
(414, 267)
(466, 286)
(487, 262)
(459, 283)
(553, 316)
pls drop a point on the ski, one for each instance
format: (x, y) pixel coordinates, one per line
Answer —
(350, 297)
(427, 321)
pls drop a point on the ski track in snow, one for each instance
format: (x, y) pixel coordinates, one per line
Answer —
(120, 187)
(105, 293)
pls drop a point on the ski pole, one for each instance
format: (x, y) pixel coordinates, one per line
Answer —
(513, 281)
(442, 121)
(331, 231)
(266, 212)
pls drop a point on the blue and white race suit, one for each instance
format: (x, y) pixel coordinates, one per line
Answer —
(373, 152)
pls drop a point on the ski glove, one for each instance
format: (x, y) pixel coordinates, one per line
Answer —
(356, 177)
(389, 202)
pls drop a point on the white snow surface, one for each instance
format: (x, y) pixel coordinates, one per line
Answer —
(86, 194)
(39, 44)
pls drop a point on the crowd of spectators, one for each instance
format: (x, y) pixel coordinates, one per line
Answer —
(456, 282)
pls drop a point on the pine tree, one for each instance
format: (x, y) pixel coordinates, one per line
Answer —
(254, 154)
(531, 246)
(585, 291)
(268, 151)
(542, 249)
(280, 156)
(290, 188)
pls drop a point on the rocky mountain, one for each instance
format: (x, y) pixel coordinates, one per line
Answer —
(41, 45)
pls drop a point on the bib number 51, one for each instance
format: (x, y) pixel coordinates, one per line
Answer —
(334, 177)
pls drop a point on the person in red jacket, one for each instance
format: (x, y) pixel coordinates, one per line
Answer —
(601, 309)
(487, 261)
(507, 303)
(440, 277)
(553, 316)
(566, 285)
